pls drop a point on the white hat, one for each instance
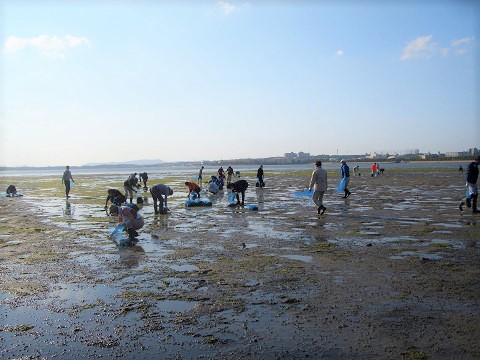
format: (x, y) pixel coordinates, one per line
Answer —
(342, 161)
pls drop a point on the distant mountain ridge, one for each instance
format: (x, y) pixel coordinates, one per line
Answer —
(130, 162)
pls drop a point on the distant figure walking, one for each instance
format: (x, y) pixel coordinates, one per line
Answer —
(239, 187)
(319, 184)
(471, 184)
(374, 169)
(157, 191)
(260, 177)
(67, 176)
(346, 178)
(460, 168)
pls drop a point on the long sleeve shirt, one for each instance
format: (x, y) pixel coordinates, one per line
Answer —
(319, 180)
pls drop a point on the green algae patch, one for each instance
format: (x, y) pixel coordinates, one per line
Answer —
(17, 328)
(24, 288)
(321, 247)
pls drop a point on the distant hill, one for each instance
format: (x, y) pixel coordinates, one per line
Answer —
(131, 162)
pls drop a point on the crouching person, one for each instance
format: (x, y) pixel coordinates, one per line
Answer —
(157, 191)
(128, 216)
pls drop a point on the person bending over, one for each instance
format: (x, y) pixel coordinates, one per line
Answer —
(239, 187)
(193, 188)
(115, 196)
(157, 191)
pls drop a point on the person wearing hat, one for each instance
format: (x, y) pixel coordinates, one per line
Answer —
(345, 174)
(319, 184)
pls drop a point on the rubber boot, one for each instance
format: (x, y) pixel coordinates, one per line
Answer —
(474, 204)
(461, 205)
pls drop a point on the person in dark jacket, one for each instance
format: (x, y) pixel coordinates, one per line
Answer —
(11, 190)
(260, 183)
(472, 189)
(115, 196)
(239, 187)
(157, 191)
(144, 177)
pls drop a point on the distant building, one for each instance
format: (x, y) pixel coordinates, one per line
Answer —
(455, 154)
(290, 156)
(302, 155)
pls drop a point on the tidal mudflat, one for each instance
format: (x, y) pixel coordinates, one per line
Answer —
(391, 272)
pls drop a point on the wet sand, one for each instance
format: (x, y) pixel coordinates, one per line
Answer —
(390, 273)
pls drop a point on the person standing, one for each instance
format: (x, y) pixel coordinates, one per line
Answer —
(144, 177)
(471, 184)
(346, 178)
(67, 176)
(200, 172)
(157, 191)
(128, 186)
(239, 187)
(260, 175)
(229, 174)
(319, 184)
(220, 173)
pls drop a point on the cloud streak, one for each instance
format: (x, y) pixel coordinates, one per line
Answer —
(49, 46)
(424, 48)
(421, 47)
(226, 7)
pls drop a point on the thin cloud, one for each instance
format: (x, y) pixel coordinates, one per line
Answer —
(50, 46)
(226, 7)
(421, 47)
(462, 42)
(461, 46)
(339, 52)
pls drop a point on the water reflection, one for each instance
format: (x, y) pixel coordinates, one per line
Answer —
(131, 256)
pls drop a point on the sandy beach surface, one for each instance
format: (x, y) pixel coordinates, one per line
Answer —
(390, 273)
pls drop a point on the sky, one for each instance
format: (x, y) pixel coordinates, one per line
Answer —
(108, 81)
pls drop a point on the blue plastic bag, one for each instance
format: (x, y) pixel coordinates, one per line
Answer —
(304, 193)
(341, 185)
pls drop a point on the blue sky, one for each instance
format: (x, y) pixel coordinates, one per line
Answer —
(101, 81)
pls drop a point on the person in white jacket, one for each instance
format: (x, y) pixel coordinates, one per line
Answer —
(319, 184)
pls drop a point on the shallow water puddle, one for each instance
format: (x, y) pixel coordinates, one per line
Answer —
(405, 254)
(303, 258)
(184, 268)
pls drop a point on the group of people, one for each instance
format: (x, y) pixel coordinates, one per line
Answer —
(128, 214)
(318, 182)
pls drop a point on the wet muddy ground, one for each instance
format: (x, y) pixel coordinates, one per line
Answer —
(390, 273)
